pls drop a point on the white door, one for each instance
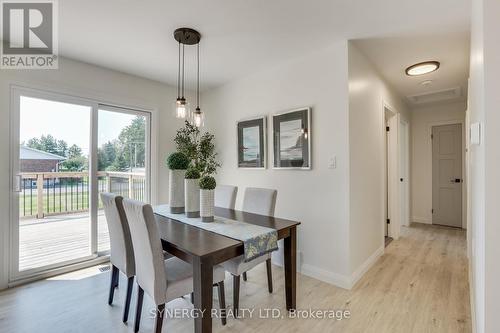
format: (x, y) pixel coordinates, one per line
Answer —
(387, 183)
(447, 175)
(404, 157)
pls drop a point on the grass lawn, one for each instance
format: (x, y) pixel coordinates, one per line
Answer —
(54, 203)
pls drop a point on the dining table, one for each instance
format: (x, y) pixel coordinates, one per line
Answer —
(203, 249)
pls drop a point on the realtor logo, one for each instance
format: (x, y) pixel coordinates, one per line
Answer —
(29, 34)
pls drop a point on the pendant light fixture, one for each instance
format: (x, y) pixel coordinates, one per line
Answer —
(185, 36)
(181, 106)
(198, 116)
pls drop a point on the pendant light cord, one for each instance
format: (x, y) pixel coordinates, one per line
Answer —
(179, 73)
(198, 84)
(182, 70)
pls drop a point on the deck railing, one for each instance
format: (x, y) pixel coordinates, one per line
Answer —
(52, 193)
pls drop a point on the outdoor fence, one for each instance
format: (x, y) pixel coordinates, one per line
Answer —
(54, 193)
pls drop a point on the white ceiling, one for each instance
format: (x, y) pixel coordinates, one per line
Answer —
(393, 55)
(239, 36)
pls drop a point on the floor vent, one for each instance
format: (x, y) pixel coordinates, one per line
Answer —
(104, 268)
(436, 96)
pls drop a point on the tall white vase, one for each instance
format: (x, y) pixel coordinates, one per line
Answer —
(192, 197)
(207, 205)
(176, 191)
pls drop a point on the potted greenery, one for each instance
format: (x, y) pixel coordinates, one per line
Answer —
(177, 163)
(207, 186)
(192, 192)
(198, 147)
(200, 150)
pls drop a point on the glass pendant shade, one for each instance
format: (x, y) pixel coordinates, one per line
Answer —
(198, 118)
(181, 108)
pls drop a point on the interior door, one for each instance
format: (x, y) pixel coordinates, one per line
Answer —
(404, 173)
(387, 183)
(447, 175)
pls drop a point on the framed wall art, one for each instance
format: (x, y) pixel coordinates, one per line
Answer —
(292, 139)
(252, 143)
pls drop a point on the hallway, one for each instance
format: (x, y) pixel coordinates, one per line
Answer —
(419, 285)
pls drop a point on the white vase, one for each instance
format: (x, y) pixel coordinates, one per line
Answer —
(176, 191)
(192, 197)
(207, 205)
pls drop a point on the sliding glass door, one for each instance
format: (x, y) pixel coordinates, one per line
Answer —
(122, 155)
(65, 151)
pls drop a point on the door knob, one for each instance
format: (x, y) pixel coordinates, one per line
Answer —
(456, 180)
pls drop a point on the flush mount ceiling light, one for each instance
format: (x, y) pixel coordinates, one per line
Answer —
(422, 68)
(187, 36)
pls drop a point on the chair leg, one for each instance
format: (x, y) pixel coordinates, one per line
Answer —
(130, 286)
(245, 276)
(140, 297)
(113, 284)
(117, 278)
(269, 275)
(236, 294)
(160, 312)
(222, 302)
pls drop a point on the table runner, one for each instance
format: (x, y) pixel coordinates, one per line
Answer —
(257, 240)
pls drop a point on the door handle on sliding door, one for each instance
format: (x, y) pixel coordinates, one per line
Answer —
(17, 183)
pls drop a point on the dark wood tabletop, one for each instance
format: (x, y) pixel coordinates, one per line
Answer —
(204, 249)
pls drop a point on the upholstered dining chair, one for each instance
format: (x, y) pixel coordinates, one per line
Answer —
(225, 196)
(258, 201)
(163, 280)
(122, 251)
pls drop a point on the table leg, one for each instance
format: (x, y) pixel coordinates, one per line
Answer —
(291, 269)
(203, 293)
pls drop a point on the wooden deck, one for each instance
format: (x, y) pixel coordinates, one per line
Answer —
(58, 238)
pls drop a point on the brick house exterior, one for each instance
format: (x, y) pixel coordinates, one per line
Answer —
(34, 160)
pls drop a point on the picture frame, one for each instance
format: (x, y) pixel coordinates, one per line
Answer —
(292, 139)
(252, 143)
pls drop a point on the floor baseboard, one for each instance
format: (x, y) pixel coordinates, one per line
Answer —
(419, 219)
(364, 267)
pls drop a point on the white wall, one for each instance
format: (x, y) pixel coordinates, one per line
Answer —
(319, 197)
(492, 164)
(367, 94)
(89, 81)
(484, 101)
(422, 119)
(477, 160)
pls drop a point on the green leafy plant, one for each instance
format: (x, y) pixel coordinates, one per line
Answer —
(207, 183)
(178, 161)
(199, 148)
(207, 156)
(186, 140)
(192, 173)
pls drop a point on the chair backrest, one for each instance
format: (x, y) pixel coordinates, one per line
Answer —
(225, 196)
(122, 251)
(150, 267)
(259, 201)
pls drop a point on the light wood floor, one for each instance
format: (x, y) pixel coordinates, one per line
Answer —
(419, 285)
